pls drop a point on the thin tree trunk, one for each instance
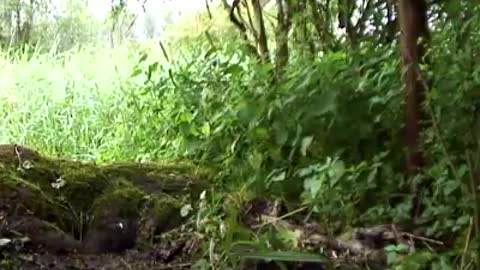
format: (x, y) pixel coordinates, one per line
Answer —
(413, 40)
(284, 23)
(239, 23)
(262, 33)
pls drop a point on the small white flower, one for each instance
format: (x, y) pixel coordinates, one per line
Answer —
(59, 183)
(27, 164)
(186, 210)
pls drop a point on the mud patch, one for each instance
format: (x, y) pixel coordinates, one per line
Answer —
(176, 254)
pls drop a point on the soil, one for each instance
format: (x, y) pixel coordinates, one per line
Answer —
(176, 254)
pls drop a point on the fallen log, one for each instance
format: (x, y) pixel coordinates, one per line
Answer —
(72, 206)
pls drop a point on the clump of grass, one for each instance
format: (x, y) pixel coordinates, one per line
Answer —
(69, 104)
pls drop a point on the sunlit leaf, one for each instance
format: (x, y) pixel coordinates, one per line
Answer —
(136, 72)
(279, 177)
(206, 129)
(306, 142)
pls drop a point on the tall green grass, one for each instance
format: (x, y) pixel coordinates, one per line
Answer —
(71, 104)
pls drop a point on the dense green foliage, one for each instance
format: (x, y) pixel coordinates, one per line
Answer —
(326, 135)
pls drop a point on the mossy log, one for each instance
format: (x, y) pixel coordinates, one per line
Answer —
(74, 206)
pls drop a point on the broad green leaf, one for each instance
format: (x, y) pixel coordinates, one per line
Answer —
(191, 144)
(244, 246)
(322, 104)
(234, 69)
(313, 185)
(260, 133)
(185, 117)
(286, 256)
(336, 172)
(247, 113)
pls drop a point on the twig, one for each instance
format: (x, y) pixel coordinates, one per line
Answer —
(424, 239)
(273, 220)
(164, 51)
(467, 244)
(125, 263)
(476, 200)
(19, 154)
(208, 10)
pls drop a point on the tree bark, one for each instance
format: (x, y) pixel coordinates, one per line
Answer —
(413, 40)
(239, 23)
(262, 41)
(284, 22)
(345, 12)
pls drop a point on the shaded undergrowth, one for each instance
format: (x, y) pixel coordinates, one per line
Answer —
(326, 138)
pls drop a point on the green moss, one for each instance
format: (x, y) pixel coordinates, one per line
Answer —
(62, 192)
(79, 185)
(161, 213)
(166, 167)
(30, 198)
(165, 212)
(122, 200)
(71, 184)
(181, 178)
(37, 172)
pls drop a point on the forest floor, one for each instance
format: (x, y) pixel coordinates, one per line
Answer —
(61, 214)
(172, 255)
